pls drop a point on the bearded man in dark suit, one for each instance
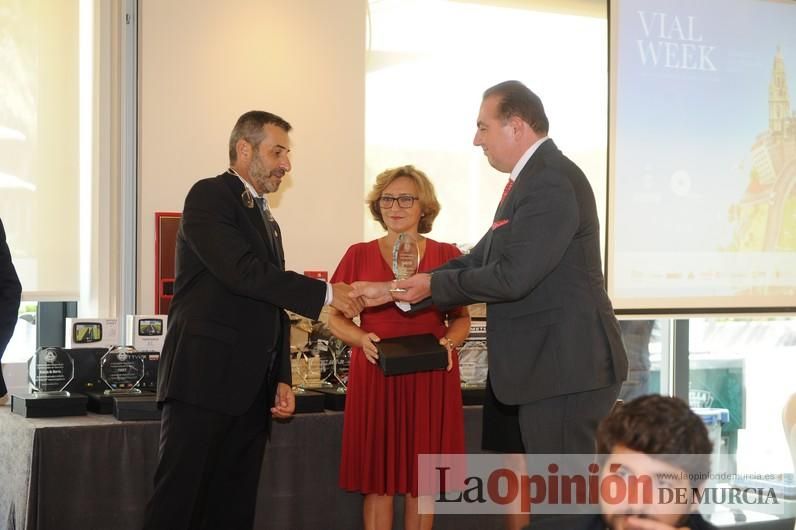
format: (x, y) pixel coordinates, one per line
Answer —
(225, 366)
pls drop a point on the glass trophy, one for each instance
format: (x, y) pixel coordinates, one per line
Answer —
(405, 258)
(50, 371)
(122, 369)
(309, 370)
(326, 362)
(341, 353)
(299, 368)
(473, 367)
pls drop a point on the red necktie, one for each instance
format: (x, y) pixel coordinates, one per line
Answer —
(506, 190)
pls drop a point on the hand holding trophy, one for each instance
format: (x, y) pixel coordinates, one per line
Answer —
(405, 258)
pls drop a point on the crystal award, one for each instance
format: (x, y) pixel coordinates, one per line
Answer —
(341, 354)
(405, 258)
(299, 369)
(50, 371)
(122, 369)
(473, 366)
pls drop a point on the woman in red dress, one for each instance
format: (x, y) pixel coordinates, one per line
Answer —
(389, 420)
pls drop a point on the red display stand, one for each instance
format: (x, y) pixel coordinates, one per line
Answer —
(166, 226)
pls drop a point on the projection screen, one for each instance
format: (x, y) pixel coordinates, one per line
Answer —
(702, 155)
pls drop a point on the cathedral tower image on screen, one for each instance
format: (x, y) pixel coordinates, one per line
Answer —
(765, 217)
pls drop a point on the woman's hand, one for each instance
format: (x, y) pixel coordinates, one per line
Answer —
(445, 341)
(367, 342)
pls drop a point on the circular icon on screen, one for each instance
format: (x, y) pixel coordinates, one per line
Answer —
(680, 182)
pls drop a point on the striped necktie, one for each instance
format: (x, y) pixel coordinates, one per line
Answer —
(265, 211)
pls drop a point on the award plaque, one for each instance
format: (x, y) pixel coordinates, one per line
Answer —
(342, 362)
(334, 373)
(50, 371)
(306, 374)
(299, 369)
(473, 370)
(473, 367)
(405, 258)
(122, 369)
(326, 362)
(473, 359)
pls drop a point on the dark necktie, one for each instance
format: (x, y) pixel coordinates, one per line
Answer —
(271, 226)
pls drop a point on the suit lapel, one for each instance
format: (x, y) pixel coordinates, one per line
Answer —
(280, 252)
(255, 217)
(487, 248)
(525, 173)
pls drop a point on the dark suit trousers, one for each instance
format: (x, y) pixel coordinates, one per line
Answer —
(209, 467)
(565, 425)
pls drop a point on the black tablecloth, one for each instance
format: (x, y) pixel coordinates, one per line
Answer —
(94, 472)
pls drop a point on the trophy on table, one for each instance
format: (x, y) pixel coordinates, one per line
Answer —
(325, 362)
(341, 361)
(300, 329)
(122, 369)
(473, 355)
(317, 369)
(306, 376)
(320, 358)
(299, 366)
(473, 366)
(405, 258)
(50, 371)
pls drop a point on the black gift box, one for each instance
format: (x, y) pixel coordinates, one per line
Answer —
(473, 396)
(309, 401)
(99, 402)
(151, 361)
(333, 400)
(39, 405)
(87, 369)
(143, 406)
(412, 353)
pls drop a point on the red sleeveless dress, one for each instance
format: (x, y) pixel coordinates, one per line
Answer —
(390, 420)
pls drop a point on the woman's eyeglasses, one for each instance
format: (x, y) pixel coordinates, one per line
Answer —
(404, 201)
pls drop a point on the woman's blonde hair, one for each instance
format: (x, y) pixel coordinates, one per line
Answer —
(429, 206)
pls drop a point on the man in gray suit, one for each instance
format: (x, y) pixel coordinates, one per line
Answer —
(555, 348)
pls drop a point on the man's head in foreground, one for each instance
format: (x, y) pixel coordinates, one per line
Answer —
(659, 443)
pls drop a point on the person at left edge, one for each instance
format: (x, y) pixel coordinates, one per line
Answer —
(225, 367)
(10, 292)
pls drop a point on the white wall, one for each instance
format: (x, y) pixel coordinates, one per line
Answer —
(203, 63)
